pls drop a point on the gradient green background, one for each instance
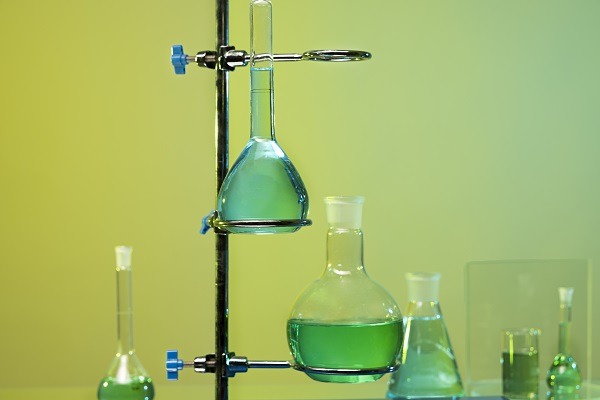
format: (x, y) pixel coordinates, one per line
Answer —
(473, 133)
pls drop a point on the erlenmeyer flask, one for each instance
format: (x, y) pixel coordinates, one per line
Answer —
(428, 367)
(564, 376)
(263, 184)
(126, 378)
(345, 327)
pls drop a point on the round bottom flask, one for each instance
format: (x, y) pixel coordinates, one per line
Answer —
(428, 367)
(345, 327)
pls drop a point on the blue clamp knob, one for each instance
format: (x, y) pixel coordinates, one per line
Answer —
(174, 364)
(207, 222)
(178, 59)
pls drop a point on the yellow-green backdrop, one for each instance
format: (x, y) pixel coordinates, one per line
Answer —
(473, 133)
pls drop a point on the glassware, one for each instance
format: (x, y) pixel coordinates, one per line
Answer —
(344, 327)
(520, 363)
(564, 376)
(126, 378)
(263, 184)
(428, 367)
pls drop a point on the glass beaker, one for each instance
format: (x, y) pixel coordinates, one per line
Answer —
(126, 378)
(520, 363)
(263, 184)
(564, 376)
(344, 327)
(428, 366)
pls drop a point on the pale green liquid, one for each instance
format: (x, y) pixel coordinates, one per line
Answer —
(564, 375)
(520, 375)
(140, 388)
(263, 184)
(429, 368)
(353, 346)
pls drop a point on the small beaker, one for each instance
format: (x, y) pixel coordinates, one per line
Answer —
(520, 363)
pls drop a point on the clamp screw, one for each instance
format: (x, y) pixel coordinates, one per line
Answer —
(174, 365)
(178, 59)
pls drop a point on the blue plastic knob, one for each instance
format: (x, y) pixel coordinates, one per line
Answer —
(206, 222)
(174, 364)
(178, 59)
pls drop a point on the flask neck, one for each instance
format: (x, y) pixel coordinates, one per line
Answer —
(262, 119)
(564, 330)
(124, 312)
(344, 252)
(423, 308)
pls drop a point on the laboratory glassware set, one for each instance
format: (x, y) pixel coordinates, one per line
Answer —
(344, 327)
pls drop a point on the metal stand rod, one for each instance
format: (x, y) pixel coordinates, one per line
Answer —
(221, 238)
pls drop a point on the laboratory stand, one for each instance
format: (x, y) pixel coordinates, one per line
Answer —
(236, 217)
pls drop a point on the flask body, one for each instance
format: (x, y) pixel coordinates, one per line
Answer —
(428, 366)
(564, 376)
(345, 327)
(134, 384)
(262, 185)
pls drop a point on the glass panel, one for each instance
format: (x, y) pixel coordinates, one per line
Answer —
(523, 293)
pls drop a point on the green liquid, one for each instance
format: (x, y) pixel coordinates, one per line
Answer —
(139, 388)
(341, 346)
(520, 375)
(428, 365)
(564, 375)
(262, 185)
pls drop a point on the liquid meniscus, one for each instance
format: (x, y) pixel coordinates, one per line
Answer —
(345, 346)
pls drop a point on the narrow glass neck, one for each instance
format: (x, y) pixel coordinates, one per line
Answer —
(262, 119)
(262, 116)
(564, 330)
(344, 251)
(418, 308)
(124, 312)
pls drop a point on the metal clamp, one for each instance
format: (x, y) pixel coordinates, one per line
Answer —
(208, 364)
(227, 58)
(211, 220)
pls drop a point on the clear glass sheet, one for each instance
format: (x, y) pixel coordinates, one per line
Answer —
(524, 293)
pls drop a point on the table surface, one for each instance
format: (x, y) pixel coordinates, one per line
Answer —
(179, 391)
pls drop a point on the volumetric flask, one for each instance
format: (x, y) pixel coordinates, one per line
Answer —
(563, 376)
(126, 378)
(263, 185)
(428, 367)
(344, 327)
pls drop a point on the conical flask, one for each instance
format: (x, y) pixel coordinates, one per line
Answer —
(126, 378)
(262, 185)
(344, 327)
(428, 367)
(564, 376)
